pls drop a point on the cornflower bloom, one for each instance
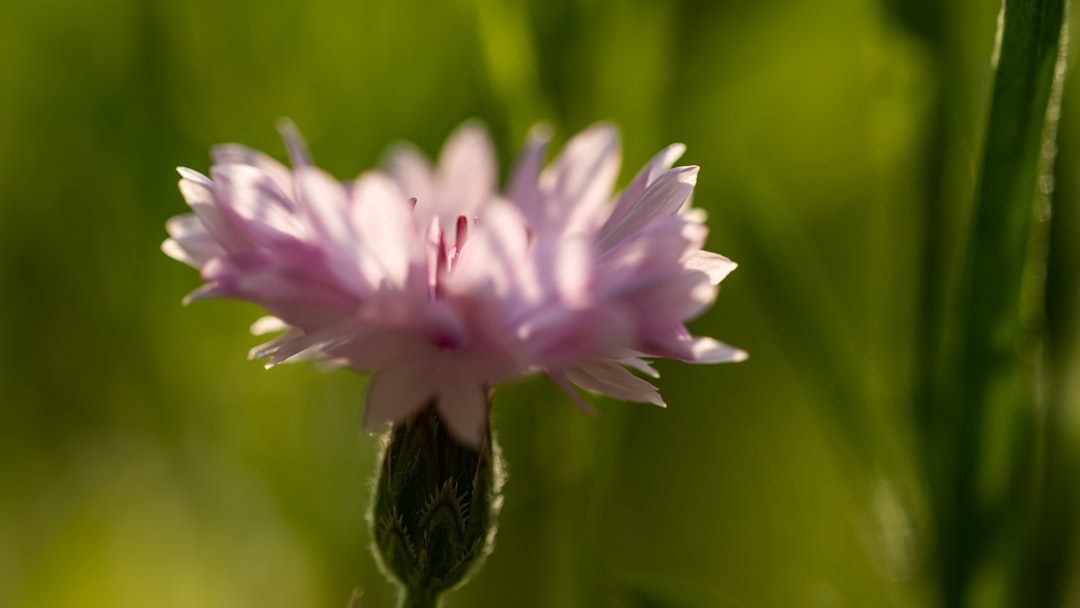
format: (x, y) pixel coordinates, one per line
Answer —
(429, 278)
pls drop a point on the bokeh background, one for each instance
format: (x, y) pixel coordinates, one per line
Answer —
(145, 462)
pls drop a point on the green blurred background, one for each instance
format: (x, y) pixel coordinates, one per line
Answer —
(145, 462)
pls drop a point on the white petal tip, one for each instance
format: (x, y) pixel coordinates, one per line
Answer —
(540, 132)
(268, 325)
(193, 175)
(177, 252)
(721, 271)
(687, 175)
(172, 249)
(604, 128)
(206, 292)
(473, 126)
(285, 125)
(707, 350)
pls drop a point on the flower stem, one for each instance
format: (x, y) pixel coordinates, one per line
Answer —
(418, 598)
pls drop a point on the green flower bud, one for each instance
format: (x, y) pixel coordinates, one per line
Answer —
(436, 501)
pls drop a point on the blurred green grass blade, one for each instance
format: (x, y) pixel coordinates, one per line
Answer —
(1013, 161)
(1050, 552)
(987, 436)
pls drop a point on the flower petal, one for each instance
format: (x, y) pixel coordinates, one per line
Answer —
(254, 205)
(463, 407)
(278, 174)
(611, 379)
(396, 391)
(268, 349)
(584, 176)
(707, 350)
(716, 266)
(190, 242)
(268, 325)
(294, 144)
(198, 191)
(645, 178)
(640, 365)
(466, 173)
(382, 219)
(412, 172)
(665, 197)
(523, 189)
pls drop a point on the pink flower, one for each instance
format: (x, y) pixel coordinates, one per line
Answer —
(428, 278)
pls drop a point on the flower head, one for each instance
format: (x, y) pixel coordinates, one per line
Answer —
(441, 287)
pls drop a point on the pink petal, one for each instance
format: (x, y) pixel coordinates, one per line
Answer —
(173, 249)
(194, 176)
(679, 344)
(267, 349)
(497, 257)
(183, 226)
(204, 292)
(303, 346)
(278, 174)
(640, 365)
(557, 337)
(294, 144)
(680, 297)
(255, 205)
(658, 250)
(524, 181)
(190, 242)
(382, 220)
(462, 406)
(611, 379)
(645, 178)
(372, 347)
(268, 325)
(198, 191)
(565, 267)
(716, 266)
(663, 198)
(707, 350)
(412, 172)
(585, 175)
(466, 172)
(326, 204)
(397, 391)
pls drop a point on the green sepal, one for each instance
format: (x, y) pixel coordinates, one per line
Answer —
(435, 505)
